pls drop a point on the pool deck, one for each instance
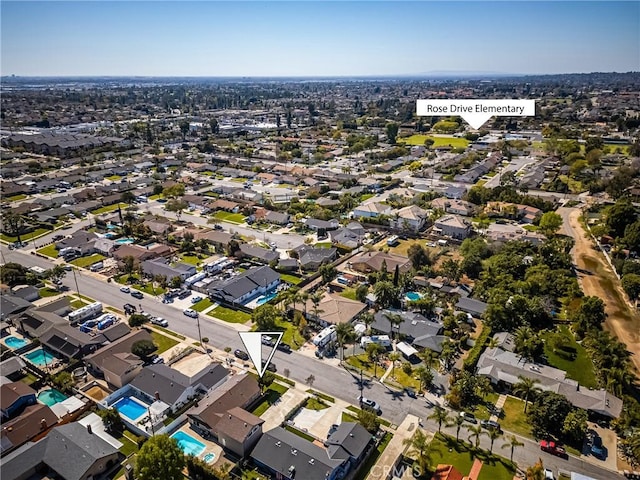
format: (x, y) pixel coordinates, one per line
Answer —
(210, 446)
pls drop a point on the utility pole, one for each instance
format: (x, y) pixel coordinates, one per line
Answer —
(75, 279)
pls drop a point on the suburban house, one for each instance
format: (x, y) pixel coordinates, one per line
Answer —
(471, 306)
(284, 455)
(352, 236)
(136, 251)
(161, 266)
(452, 226)
(372, 210)
(311, 258)
(457, 207)
(368, 262)
(221, 415)
(418, 330)
(33, 421)
(80, 240)
(504, 367)
(10, 305)
(318, 225)
(14, 397)
(115, 362)
(269, 216)
(334, 309)
(411, 217)
(242, 288)
(161, 382)
(259, 254)
(507, 232)
(69, 451)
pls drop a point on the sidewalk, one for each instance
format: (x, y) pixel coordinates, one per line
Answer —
(499, 404)
(387, 460)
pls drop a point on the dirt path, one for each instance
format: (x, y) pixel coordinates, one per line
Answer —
(597, 279)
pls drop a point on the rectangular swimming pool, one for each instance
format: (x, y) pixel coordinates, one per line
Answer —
(40, 357)
(130, 408)
(188, 444)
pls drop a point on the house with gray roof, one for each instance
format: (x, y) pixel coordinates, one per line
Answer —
(417, 329)
(259, 254)
(246, 286)
(316, 224)
(452, 226)
(11, 305)
(471, 306)
(161, 266)
(311, 258)
(69, 451)
(350, 440)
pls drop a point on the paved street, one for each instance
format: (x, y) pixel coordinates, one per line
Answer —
(333, 380)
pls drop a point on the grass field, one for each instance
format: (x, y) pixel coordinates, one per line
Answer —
(87, 261)
(228, 315)
(481, 411)
(49, 251)
(349, 293)
(437, 141)
(190, 259)
(38, 232)
(48, 292)
(235, 218)
(76, 304)
(114, 178)
(514, 419)
(202, 305)
(578, 367)
(292, 279)
(15, 198)
(271, 396)
(163, 342)
(349, 418)
(361, 362)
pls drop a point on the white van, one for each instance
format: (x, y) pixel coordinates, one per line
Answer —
(96, 267)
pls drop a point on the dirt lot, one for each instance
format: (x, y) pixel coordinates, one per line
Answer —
(597, 279)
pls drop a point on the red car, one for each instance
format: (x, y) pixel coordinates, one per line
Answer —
(552, 448)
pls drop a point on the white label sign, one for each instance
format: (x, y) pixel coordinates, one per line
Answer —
(476, 112)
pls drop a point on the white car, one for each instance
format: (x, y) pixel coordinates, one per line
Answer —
(125, 289)
(191, 313)
(160, 321)
(548, 474)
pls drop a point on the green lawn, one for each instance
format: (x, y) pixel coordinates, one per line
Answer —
(366, 196)
(15, 198)
(481, 411)
(292, 279)
(321, 395)
(291, 334)
(84, 262)
(349, 293)
(403, 379)
(166, 330)
(128, 446)
(446, 450)
(361, 362)
(323, 245)
(578, 367)
(437, 141)
(349, 418)
(114, 178)
(239, 179)
(271, 396)
(235, 218)
(76, 304)
(49, 251)
(315, 404)
(514, 419)
(163, 342)
(299, 433)
(149, 289)
(228, 315)
(108, 208)
(38, 232)
(48, 292)
(190, 259)
(202, 305)
(357, 411)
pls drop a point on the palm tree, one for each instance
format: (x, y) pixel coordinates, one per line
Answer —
(425, 375)
(512, 444)
(420, 444)
(440, 415)
(456, 421)
(535, 472)
(526, 387)
(367, 318)
(476, 432)
(394, 320)
(493, 434)
(342, 333)
(427, 356)
(393, 358)
(316, 298)
(303, 298)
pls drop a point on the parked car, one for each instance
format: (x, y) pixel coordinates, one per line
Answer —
(67, 267)
(56, 238)
(267, 340)
(490, 425)
(241, 354)
(129, 309)
(271, 367)
(137, 294)
(196, 299)
(191, 313)
(125, 289)
(548, 474)
(469, 417)
(184, 294)
(552, 448)
(411, 393)
(366, 403)
(283, 347)
(160, 321)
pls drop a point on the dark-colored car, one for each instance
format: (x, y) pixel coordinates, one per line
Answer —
(242, 355)
(55, 238)
(411, 393)
(137, 294)
(271, 367)
(490, 425)
(129, 309)
(283, 347)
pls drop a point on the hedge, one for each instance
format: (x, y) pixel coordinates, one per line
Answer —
(474, 354)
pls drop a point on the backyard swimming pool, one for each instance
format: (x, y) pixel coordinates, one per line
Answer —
(265, 298)
(413, 296)
(15, 342)
(40, 357)
(51, 397)
(125, 241)
(188, 444)
(130, 408)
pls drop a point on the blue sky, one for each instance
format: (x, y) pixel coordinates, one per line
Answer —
(316, 39)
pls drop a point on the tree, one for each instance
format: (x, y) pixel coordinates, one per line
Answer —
(550, 222)
(309, 380)
(575, 426)
(176, 206)
(590, 315)
(111, 420)
(369, 420)
(184, 128)
(395, 320)
(143, 348)
(392, 132)
(536, 471)
(328, 273)
(13, 224)
(393, 358)
(374, 350)
(160, 458)
(174, 191)
(513, 443)
(266, 380)
(136, 320)
(265, 317)
(316, 298)
(361, 292)
(56, 273)
(386, 294)
(528, 344)
(476, 432)
(64, 381)
(439, 415)
(129, 264)
(547, 414)
(425, 375)
(344, 332)
(420, 445)
(215, 127)
(457, 421)
(128, 197)
(493, 434)
(419, 256)
(631, 284)
(620, 215)
(527, 388)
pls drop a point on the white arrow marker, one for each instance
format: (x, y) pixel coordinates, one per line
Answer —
(253, 343)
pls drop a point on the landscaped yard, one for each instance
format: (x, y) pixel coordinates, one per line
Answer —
(292, 279)
(108, 208)
(190, 259)
(271, 396)
(235, 218)
(48, 292)
(15, 198)
(578, 365)
(349, 418)
(38, 232)
(202, 305)
(403, 379)
(514, 419)
(228, 315)
(166, 330)
(128, 445)
(404, 245)
(437, 141)
(446, 450)
(291, 334)
(84, 262)
(163, 342)
(76, 304)
(349, 293)
(481, 411)
(315, 404)
(361, 362)
(49, 251)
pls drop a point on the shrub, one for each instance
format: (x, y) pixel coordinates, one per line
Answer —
(474, 354)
